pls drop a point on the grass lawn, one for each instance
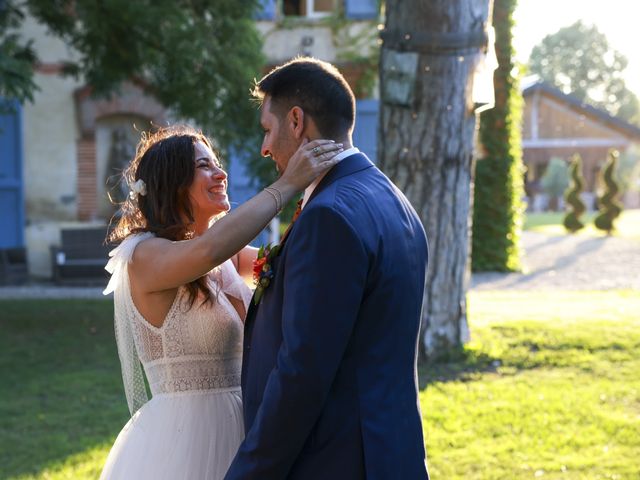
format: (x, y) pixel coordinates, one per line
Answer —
(549, 387)
(627, 224)
(61, 397)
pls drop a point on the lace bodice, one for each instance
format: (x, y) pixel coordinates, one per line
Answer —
(195, 349)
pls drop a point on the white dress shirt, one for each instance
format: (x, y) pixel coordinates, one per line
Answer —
(309, 190)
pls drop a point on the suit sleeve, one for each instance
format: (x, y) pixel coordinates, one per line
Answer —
(326, 270)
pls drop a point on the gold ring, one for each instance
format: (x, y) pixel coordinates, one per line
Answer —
(316, 150)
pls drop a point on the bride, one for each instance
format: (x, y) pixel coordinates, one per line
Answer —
(180, 301)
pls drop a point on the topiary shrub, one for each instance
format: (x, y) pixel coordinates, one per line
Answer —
(610, 208)
(572, 196)
(555, 181)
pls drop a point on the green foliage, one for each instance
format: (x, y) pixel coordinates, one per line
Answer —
(572, 195)
(610, 208)
(579, 60)
(628, 171)
(16, 58)
(498, 191)
(555, 180)
(198, 58)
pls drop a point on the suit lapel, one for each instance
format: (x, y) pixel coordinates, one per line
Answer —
(352, 164)
(251, 310)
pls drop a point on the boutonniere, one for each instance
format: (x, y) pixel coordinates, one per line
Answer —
(262, 271)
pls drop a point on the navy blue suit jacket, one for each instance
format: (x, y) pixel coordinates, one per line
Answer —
(329, 370)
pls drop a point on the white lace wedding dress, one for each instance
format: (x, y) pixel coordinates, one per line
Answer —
(192, 426)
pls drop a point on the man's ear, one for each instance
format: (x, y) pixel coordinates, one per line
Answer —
(296, 121)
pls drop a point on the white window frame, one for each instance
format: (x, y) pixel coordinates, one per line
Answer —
(311, 13)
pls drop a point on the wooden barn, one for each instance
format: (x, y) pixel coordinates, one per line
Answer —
(559, 125)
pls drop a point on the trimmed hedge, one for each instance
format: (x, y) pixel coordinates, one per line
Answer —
(499, 174)
(572, 195)
(610, 208)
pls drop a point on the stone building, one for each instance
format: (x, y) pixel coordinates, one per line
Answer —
(60, 155)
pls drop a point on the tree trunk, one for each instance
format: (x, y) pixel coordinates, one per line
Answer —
(426, 143)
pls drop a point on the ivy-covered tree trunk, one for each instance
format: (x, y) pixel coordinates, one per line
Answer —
(499, 182)
(426, 142)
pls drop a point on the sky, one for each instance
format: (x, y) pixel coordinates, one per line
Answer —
(617, 19)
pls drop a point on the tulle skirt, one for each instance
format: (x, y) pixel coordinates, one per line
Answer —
(190, 436)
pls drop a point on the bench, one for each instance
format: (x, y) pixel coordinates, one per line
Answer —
(81, 257)
(13, 266)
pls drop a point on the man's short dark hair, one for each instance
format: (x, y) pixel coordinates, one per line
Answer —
(315, 86)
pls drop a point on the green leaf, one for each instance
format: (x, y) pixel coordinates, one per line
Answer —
(197, 58)
(258, 295)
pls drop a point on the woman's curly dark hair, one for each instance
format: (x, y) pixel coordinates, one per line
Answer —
(164, 160)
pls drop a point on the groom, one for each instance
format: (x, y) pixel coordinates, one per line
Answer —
(329, 369)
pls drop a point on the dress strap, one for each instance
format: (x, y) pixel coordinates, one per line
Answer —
(124, 312)
(120, 257)
(233, 284)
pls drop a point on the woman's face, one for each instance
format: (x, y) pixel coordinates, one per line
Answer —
(208, 192)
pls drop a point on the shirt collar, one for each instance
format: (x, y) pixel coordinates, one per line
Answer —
(309, 190)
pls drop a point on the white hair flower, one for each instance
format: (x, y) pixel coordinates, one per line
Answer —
(138, 188)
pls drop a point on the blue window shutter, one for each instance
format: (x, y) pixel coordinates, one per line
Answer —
(11, 186)
(365, 132)
(361, 9)
(268, 11)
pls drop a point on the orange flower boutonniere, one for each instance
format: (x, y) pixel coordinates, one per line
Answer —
(262, 271)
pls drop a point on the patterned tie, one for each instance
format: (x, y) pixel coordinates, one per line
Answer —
(293, 219)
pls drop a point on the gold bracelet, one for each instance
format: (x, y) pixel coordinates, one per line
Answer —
(277, 196)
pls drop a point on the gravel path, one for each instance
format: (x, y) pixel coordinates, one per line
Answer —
(570, 262)
(48, 290)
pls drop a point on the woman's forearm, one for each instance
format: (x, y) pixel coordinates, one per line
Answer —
(234, 231)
